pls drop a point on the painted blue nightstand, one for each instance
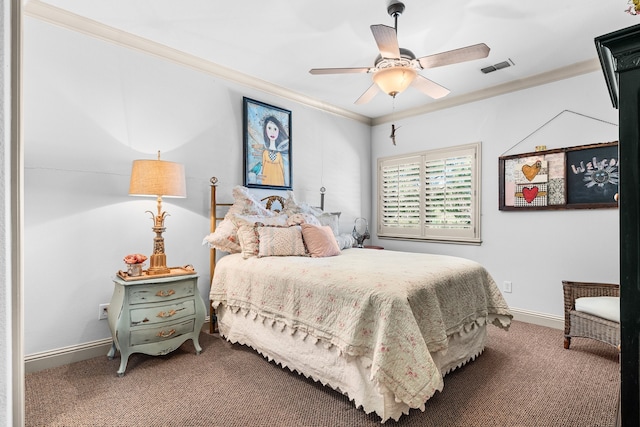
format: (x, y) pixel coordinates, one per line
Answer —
(154, 316)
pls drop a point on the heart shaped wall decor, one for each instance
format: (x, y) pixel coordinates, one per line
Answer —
(530, 193)
(530, 171)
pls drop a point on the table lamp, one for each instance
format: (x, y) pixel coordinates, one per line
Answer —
(157, 178)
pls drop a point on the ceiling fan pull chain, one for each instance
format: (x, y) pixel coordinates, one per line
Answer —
(393, 125)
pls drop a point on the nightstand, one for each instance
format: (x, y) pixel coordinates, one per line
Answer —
(154, 316)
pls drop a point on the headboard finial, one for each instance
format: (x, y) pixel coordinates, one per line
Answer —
(213, 180)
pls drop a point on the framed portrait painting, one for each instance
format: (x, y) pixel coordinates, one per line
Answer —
(267, 146)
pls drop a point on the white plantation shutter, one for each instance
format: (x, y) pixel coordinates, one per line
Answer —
(401, 197)
(431, 195)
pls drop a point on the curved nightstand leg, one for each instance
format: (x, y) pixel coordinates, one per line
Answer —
(196, 344)
(124, 358)
(112, 351)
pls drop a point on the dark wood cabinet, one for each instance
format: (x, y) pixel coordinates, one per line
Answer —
(619, 54)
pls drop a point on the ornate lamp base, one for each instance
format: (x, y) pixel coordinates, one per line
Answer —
(158, 260)
(158, 264)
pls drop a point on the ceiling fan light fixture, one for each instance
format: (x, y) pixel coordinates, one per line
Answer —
(394, 80)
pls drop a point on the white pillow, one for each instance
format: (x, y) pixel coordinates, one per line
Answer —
(302, 218)
(291, 206)
(244, 203)
(240, 220)
(332, 220)
(345, 241)
(605, 307)
(225, 237)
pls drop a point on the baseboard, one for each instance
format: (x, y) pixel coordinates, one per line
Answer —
(66, 355)
(76, 353)
(536, 318)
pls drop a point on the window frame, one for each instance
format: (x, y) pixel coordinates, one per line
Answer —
(423, 232)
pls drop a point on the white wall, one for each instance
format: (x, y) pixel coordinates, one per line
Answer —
(91, 108)
(533, 250)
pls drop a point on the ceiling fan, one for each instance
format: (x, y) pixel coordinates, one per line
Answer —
(396, 68)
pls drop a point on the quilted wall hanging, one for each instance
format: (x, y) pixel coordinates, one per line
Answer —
(583, 177)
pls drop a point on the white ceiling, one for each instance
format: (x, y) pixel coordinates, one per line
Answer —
(278, 41)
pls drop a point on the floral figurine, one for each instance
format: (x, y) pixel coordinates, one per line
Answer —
(134, 264)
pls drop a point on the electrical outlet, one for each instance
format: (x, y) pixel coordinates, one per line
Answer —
(506, 287)
(103, 311)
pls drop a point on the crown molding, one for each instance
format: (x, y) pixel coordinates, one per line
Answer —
(569, 71)
(63, 18)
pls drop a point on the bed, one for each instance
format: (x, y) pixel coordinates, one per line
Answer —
(382, 327)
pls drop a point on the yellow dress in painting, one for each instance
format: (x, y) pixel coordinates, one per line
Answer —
(272, 170)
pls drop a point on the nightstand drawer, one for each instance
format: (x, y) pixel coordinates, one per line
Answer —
(161, 292)
(151, 335)
(162, 313)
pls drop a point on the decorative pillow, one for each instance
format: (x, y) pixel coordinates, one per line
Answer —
(345, 241)
(280, 241)
(320, 240)
(249, 240)
(240, 220)
(244, 203)
(225, 237)
(332, 220)
(291, 206)
(302, 218)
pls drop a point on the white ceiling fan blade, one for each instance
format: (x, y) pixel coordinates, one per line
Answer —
(339, 70)
(428, 87)
(469, 53)
(367, 95)
(387, 40)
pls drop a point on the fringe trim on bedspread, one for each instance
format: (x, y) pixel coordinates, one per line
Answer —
(348, 351)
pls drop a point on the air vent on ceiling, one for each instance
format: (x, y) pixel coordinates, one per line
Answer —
(498, 66)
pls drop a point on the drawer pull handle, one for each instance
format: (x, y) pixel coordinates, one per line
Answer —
(165, 294)
(165, 314)
(163, 334)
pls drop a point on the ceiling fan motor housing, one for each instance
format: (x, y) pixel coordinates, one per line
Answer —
(396, 68)
(407, 59)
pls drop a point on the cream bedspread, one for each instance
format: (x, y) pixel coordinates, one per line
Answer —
(396, 308)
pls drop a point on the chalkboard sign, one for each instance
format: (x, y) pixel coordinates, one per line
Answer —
(592, 175)
(584, 177)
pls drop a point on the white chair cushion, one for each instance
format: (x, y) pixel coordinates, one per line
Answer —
(605, 307)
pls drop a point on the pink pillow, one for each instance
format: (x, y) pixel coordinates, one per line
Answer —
(320, 240)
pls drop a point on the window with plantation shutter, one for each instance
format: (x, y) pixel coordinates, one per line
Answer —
(400, 195)
(431, 195)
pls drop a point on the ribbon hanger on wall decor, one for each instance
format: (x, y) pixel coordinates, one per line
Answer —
(552, 119)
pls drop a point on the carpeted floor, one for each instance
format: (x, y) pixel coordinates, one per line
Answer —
(524, 378)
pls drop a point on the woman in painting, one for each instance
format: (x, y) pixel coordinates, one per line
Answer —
(275, 141)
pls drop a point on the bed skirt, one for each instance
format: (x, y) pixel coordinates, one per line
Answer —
(350, 375)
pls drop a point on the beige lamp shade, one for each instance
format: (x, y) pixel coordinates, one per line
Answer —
(157, 178)
(394, 80)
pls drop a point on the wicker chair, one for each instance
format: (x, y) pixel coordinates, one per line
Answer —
(579, 324)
